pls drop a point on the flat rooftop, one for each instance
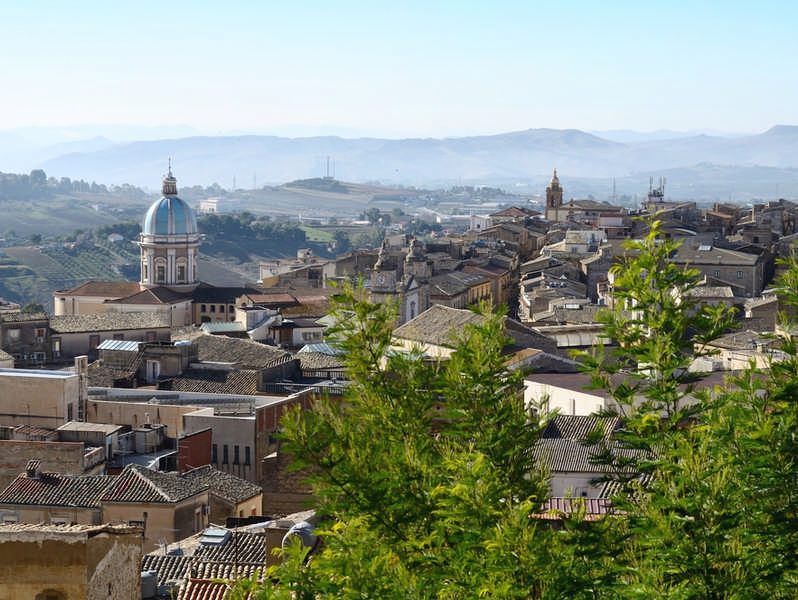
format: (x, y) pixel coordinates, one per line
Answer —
(79, 426)
(199, 399)
(40, 373)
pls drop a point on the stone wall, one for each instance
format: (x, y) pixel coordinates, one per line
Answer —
(56, 457)
(284, 491)
(40, 561)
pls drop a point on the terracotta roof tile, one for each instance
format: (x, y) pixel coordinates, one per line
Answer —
(168, 566)
(244, 354)
(21, 317)
(225, 485)
(107, 289)
(576, 427)
(213, 381)
(54, 489)
(140, 484)
(203, 589)
(114, 321)
(156, 295)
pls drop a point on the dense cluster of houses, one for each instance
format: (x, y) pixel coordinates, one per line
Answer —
(164, 428)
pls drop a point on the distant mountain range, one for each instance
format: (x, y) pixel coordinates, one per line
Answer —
(698, 166)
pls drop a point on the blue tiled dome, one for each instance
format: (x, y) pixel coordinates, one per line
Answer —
(169, 216)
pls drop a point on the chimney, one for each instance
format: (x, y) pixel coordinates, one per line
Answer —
(82, 369)
(32, 470)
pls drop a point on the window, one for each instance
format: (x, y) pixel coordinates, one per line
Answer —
(151, 336)
(215, 454)
(236, 459)
(94, 341)
(246, 456)
(56, 347)
(203, 308)
(39, 335)
(160, 273)
(13, 334)
(181, 272)
(119, 336)
(143, 274)
(213, 308)
(739, 274)
(70, 412)
(716, 273)
(221, 308)
(225, 456)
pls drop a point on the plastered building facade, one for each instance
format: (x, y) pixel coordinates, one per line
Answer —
(47, 562)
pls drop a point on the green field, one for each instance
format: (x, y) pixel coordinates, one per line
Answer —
(32, 274)
(62, 215)
(316, 235)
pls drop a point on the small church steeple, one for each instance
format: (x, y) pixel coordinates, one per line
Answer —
(553, 198)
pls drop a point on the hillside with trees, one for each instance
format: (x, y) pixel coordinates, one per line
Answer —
(232, 248)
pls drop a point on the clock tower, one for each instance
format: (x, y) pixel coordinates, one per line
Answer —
(553, 199)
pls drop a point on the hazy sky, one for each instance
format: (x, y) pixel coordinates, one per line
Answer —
(401, 68)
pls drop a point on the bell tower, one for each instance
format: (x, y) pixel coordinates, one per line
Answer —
(553, 199)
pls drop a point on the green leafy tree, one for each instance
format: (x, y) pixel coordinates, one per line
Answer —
(423, 472)
(32, 307)
(704, 480)
(342, 243)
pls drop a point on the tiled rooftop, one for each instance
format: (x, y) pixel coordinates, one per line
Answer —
(575, 427)
(229, 487)
(153, 296)
(167, 566)
(140, 484)
(113, 321)
(213, 381)
(571, 456)
(15, 531)
(21, 317)
(203, 589)
(592, 506)
(54, 489)
(110, 289)
(244, 354)
(243, 547)
(437, 325)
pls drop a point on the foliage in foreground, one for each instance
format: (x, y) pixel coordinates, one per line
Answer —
(430, 490)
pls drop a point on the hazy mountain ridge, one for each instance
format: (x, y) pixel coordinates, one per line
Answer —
(519, 156)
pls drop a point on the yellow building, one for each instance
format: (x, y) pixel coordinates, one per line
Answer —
(51, 562)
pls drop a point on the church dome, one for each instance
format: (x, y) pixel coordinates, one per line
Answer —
(170, 215)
